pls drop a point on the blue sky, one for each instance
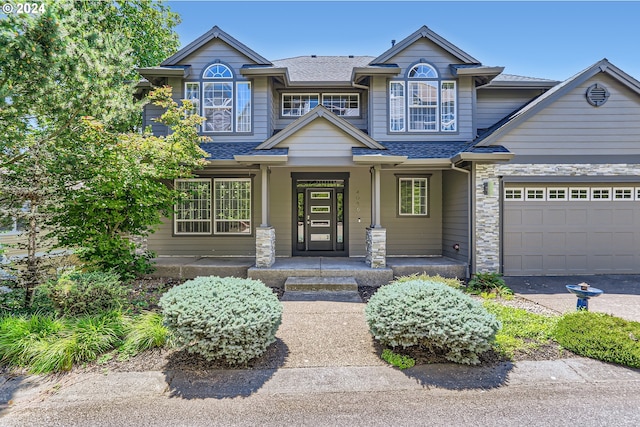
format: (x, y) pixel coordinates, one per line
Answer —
(540, 39)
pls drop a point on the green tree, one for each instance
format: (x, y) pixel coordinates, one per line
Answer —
(71, 61)
(121, 190)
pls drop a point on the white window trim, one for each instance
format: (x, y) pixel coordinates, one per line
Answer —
(637, 193)
(426, 196)
(237, 107)
(557, 199)
(199, 91)
(215, 208)
(317, 94)
(518, 198)
(175, 216)
(535, 199)
(578, 199)
(623, 199)
(357, 95)
(598, 199)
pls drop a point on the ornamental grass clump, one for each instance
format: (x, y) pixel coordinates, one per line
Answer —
(433, 316)
(225, 319)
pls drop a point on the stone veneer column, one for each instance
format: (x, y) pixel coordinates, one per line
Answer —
(376, 242)
(487, 222)
(265, 246)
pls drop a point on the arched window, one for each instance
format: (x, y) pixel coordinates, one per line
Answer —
(226, 103)
(422, 102)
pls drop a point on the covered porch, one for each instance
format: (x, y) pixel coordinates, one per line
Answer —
(282, 268)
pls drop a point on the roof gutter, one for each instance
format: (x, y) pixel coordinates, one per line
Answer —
(482, 157)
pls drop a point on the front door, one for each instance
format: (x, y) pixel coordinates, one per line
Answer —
(320, 214)
(321, 219)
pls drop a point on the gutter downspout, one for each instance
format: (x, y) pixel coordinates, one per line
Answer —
(469, 211)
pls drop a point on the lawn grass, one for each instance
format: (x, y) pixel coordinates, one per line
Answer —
(521, 330)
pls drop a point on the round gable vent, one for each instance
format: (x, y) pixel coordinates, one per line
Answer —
(597, 95)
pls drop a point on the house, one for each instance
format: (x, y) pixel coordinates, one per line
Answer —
(422, 151)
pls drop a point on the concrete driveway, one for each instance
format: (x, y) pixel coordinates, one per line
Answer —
(621, 295)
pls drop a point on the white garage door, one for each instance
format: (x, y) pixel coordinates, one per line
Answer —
(565, 229)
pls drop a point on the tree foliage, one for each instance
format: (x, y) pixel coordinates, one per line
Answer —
(120, 190)
(74, 60)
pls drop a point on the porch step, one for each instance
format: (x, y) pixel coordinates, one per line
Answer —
(325, 283)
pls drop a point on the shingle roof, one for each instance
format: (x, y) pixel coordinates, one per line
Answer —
(415, 150)
(516, 78)
(322, 68)
(226, 150)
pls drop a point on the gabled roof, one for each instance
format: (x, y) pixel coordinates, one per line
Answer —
(320, 112)
(541, 102)
(425, 32)
(214, 33)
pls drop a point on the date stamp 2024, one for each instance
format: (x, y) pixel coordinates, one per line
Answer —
(30, 8)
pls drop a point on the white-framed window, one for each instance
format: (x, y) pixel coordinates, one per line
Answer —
(342, 104)
(232, 206)
(579, 193)
(298, 104)
(412, 196)
(557, 194)
(623, 193)
(535, 194)
(600, 193)
(396, 107)
(193, 210)
(192, 93)
(637, 193)
(514, 194)
(225, 102)
(243, 107)
(428, 105)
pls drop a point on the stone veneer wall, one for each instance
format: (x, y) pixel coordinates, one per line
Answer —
(265, 246)
(376, 242)
(487, 207)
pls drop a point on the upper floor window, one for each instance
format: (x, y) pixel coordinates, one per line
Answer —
(422, 102)
(224, 102)
(341, 104)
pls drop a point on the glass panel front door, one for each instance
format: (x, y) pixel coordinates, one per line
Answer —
(320, 218)
(320, 211)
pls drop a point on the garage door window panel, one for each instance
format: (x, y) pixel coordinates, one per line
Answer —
(579, 194)
(601, 194)
(623, 193)
(537, 194)
(557, 194)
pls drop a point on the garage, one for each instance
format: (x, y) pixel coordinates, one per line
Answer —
(571, 228)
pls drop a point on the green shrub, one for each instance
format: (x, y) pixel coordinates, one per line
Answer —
(23, 338)
(449, 281)
(228, 319)
(488, 285)
(398, 360)
(145, 332)
(600, 336)
(82, 340)
(434, 316)
(76, 293)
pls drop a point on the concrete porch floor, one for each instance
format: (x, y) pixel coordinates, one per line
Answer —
(190, 267)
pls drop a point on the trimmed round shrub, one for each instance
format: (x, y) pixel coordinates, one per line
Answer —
(228, 319)
(432, 315)
(78, 293)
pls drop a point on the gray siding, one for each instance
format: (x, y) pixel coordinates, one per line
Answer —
(320, 139)
(150, 113)
(571, 126)
(215, 49)
(495, 104)
(455, 214)
(412, 236)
